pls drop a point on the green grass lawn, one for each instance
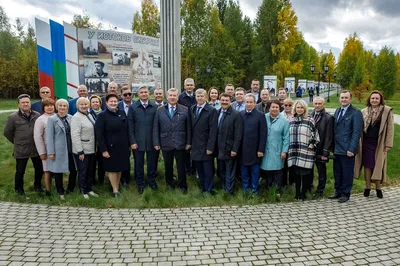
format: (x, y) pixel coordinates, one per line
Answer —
(394, 102)
(161, 198)
(11, 104)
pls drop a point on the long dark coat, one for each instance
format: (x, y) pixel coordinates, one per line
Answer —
(230, 132)
(140, 122)
(112, 136)
(324, 126)
(254, 136)
(204, 132)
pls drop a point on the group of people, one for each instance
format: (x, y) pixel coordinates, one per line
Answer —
(247, 134)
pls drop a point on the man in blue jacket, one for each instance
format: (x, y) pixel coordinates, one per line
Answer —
(173, 135)
(347, 132)
(82, 92)
(45, 93)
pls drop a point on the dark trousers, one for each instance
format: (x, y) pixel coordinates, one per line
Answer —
(139, 167)
(343, 170)
(156, 157)
(20, 172)
(205, 170)
(250, 177)
(303, 184)
(58, 177)
(227, 170)
(72, 172)
(287, 176)
(321, 167)
(126, 175)
(100, 169)
(311, 98)
(85, 175)
(189, 164)
(274, 178)
(179, 156)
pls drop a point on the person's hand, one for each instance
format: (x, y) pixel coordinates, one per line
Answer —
(233, 154)
(188, 147)
(350, 154)
(106, 154)
(311, 146)
(134, 146)
(43, 157)
(82, 157)
(386, 149)
(209, 152)
(283, 155)
(323, 158)
(52, 157)
(157, 148)
(260, 154)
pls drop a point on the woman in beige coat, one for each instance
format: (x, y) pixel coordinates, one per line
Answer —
(376, 141)
(39, 135)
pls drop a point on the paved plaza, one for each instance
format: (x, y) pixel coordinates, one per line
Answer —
(324, 232)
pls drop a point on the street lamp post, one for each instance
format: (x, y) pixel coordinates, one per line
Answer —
(334, 77)
(326, 69)
(319, 75)
(201, 73)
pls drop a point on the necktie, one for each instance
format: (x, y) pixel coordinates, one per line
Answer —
(221, 115)
(126, 109)
(340, 114)
(198, 111)
(145, 105)
(238, 107)
(171, 111)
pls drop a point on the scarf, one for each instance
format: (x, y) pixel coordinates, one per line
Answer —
(371, 116)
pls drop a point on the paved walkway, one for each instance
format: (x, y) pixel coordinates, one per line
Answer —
(359, 232)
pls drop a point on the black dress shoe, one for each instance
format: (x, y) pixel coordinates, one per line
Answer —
(154, 186)
(38, 189)
(379, 193)
(140, 190)
(116, 194)
(124, 184)
(343, 199)
(334, 196)
(183, 190)
(366, 192)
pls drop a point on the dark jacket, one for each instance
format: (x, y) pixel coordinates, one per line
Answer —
(140, 122)
(204, 132)
(254, 136)
(324, 125)
(72, 106)
(347, 131)
(37, 106)
(19, 131)
(186, 100)
(121, 106)
(172, 133)
(263, 108)
(230, 132)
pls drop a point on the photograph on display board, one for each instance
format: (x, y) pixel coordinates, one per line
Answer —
(90, 48)
(157, 61)
(97, 85)
(289, 84)
(270, 83)
(121, 58)
(96, 69)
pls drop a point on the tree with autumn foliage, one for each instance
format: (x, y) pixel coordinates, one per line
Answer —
(385, 75)
(147, 22)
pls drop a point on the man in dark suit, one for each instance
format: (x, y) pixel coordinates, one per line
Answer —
(348, 129)
(159, 97)
(253, 144)
(82, 92)
(324, 123)
(140, 121)
(255, 89)
(229, 139)
(263, 106)
(126, 102)
(238, 105)
(172, 134)
(44, 93)
(187, 98)
(204, 135)
(230, 90)
(282, 95)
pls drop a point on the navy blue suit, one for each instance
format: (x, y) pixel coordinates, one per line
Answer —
(140, 122)
(37, 106)
(347, 133)
(72, 106)
(253, 141)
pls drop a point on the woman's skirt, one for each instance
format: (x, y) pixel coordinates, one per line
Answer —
(368, 151)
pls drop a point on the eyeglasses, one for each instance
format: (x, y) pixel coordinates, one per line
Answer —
(288, 105)
(45, 92)
(127, 94)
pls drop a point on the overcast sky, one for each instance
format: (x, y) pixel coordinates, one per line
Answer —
(325, 23)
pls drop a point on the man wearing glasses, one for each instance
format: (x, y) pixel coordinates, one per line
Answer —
(44, 93)
(126, 96)
(324, 123)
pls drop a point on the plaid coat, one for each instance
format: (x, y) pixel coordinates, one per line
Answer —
(302, 133)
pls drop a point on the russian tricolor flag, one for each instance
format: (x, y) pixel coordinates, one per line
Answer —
(52, 61)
